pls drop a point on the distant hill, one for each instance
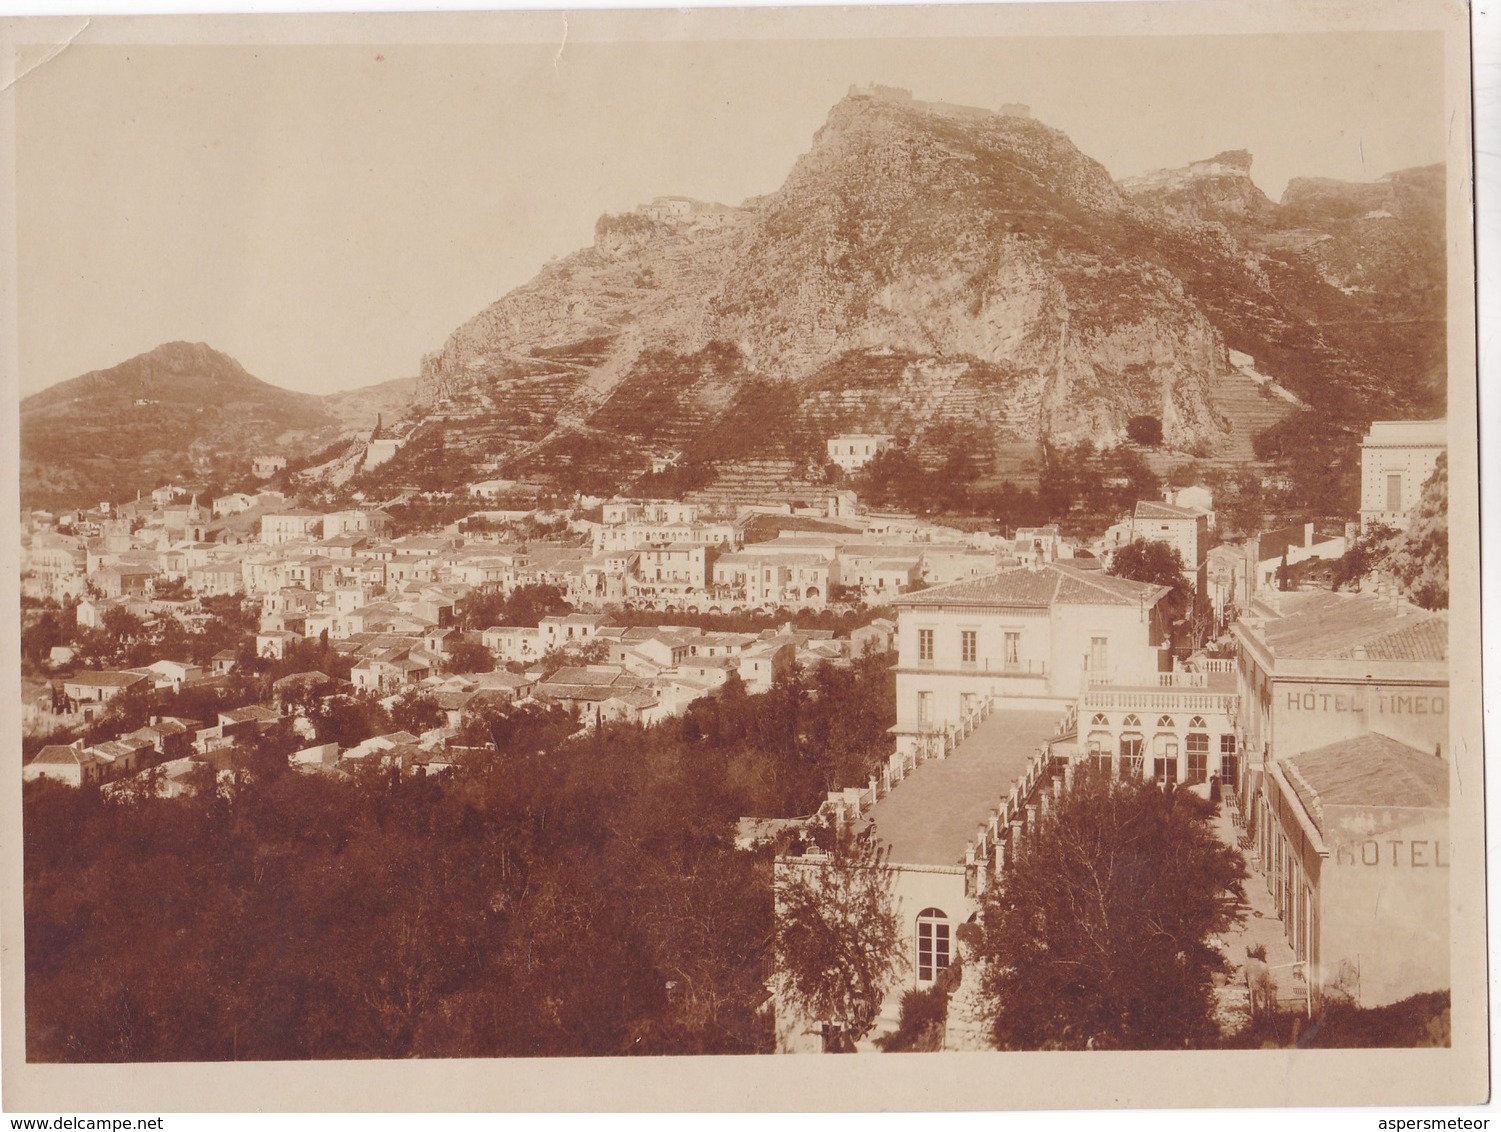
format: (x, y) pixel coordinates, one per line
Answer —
(182, 411)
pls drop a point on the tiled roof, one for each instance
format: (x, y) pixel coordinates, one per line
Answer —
(1370, 770)
(104, 679)
(55, 753)
(1428, 639)
(636, 698)
(488, 680)
(314, 677)
(1148, 509)
(1333, 626)
(252, 713)
(1051, 584)
(583, 676)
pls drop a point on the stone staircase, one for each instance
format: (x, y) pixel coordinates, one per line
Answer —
(1249, 408)
(747, 482)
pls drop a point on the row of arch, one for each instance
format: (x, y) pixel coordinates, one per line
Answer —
(1123, 749)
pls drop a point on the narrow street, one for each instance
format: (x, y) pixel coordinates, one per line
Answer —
(1257, 923)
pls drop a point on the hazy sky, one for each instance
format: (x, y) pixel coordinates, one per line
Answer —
(326, 215)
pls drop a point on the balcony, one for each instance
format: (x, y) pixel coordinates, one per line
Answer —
(1169, 700)
(1217, 680)
(986, 666)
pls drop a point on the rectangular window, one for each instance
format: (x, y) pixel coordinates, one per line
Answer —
(932, 948)
(1394, 491)
(1013, 649)
(968, 647)
(1197, 748)
(925, 707)
(925, 644)
(1098, 653)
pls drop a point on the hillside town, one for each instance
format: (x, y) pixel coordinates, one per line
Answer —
(166, 634)
(901, 584)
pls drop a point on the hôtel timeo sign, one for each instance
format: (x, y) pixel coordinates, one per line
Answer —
(1372, 700)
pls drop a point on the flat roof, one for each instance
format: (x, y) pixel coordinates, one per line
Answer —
(1435, 433)
(931, 816)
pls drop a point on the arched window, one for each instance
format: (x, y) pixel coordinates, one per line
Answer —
(1099, 721)
(1166, 721)
(932, 944)
(1197, 723)
(1131, 721)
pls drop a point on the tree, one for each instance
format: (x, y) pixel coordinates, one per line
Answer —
(837, 940)
(40, 637)
(470, 656)
(1201, 621)
(170, 589)
(528, 604)
(1242, 504)
(1144, 430)
(1097, 936)
(1157, 563)
(416, 711)
(350, 720)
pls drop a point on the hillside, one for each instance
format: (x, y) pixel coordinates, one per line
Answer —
(180, 411)
(926, 267)
(965, 280)
(358, 409)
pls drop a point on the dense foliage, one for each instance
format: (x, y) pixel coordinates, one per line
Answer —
(1078, 486)
(1317, 458)
(1422, 1021)
(838, 939)
(562, 896)
(1155, 562)
(1098, 935)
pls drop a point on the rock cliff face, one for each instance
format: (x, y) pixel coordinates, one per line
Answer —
(1219, 189)
(925, 263)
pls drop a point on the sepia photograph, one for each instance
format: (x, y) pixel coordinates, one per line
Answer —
(658, 547)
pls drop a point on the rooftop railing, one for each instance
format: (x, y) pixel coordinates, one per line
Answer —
(1148, 679)
(1184, 700)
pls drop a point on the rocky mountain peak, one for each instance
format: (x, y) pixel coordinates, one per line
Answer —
(923, 266)
(1217, 189)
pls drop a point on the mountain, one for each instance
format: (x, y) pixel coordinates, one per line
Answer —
(359, 409)
(960, 278)
(179, 412)
(1357, 268)
(1219, 189)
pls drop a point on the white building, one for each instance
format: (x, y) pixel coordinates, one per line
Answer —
(852, 451)
(1183, 529)
(668, 210)
(290, 526)
(1396, 459)
(1033, 637)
